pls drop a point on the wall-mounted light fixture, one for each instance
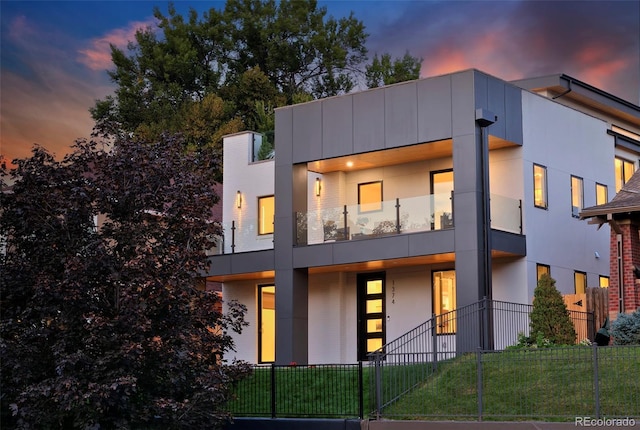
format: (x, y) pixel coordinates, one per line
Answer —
(318, 186)
(238, 199)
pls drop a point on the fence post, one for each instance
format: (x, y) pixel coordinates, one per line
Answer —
(596, 377)
(479, 381)
(273, 390)
(360, 392)
(378, 379)
(434, 341)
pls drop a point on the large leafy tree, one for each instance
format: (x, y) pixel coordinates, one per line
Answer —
(252, 50)
(103, 325)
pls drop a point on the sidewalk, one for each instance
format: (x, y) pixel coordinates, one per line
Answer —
(484, 425)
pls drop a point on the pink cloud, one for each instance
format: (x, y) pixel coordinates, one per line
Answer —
(98, 55)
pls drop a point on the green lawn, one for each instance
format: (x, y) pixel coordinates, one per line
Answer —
(540, 384)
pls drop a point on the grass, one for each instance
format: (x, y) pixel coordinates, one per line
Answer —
(541, 384)
(554, 384)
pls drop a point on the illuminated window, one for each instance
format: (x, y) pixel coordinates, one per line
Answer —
(266, 211)
(601, 194)
(370, 196)
(441, 192)
(444, 300)
(542, 269)
(539, 186)
(577, 195)
(604, 281)
(580, 282)
(623, 170)
(267, 323)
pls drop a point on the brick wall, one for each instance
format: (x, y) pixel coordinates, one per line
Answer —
(630, 259)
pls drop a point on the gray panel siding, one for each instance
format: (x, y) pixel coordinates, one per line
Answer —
(284, 137)
(513, 105)
(368, 121)
(434, 109)
(496, 104)
(307, 132)
(462, 104)
(337, 126)
(401, 115)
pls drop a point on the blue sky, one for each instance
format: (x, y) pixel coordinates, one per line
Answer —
(54, 54)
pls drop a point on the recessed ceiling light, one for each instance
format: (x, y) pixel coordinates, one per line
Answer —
(349, 163)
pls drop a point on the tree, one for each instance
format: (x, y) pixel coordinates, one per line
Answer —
(550, 317)
(383, 71)
(252, 50)
(103, 326)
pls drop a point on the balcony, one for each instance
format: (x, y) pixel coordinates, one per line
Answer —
(349, 222)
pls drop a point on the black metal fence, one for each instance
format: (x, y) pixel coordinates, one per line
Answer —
(543, 384)
(404, 363)
(332, 391)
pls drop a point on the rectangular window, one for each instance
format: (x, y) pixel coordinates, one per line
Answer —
(441, 199)
(577, 195)
(266, 212)
(623, 170)
(542, 269)
(371, 313)
(444, 301)
(580, 282)
(539, 186)
(267, 323)
(370, 196)
(604, 281)
(601, 194)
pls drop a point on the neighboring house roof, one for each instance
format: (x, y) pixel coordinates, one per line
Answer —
(626, 201)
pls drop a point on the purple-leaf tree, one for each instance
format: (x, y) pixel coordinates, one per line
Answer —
(103, 324)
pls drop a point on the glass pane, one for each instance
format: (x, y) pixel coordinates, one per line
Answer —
(442, 184)
(576, 195)
(370, 196)
(374, 344)
(619, 172)
(266, 211)
(268, 324)
(374, 326)
(374, 306)
(541, 269)
(604, 282)
(601, 194)
(580, 281)
(374, 287)
(629, 168)
(540, 186)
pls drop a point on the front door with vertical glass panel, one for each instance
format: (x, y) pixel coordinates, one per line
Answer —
(266, 323)
(441, 190)
(371, 313)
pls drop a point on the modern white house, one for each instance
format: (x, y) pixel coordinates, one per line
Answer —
(384, 207)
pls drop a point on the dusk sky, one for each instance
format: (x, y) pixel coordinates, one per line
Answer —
(54, 54)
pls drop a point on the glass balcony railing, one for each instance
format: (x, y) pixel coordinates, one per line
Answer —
(350, 222)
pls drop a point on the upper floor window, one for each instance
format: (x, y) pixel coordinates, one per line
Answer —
(601, 194)
(542, 269)
(266, 212)
(370, 196)
(580, 282)
(623, 170)
(539, 186)
(577, 195)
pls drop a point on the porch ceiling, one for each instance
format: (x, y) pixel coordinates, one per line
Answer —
(394, 156)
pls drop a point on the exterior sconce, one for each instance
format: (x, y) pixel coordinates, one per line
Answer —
(318, 186)
(238, 199)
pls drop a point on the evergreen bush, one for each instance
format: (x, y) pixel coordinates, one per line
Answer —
(550, 317)
(626, 329)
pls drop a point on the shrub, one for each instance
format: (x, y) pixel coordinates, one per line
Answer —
(626, 329)
(550, 317)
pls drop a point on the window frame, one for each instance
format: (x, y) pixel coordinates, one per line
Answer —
(575, 281)
(540, 266)
(373, 206)
(600, 278)
(544, 187)
(600, 186)
(622, 180)
(576, 213)
(263, 229)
